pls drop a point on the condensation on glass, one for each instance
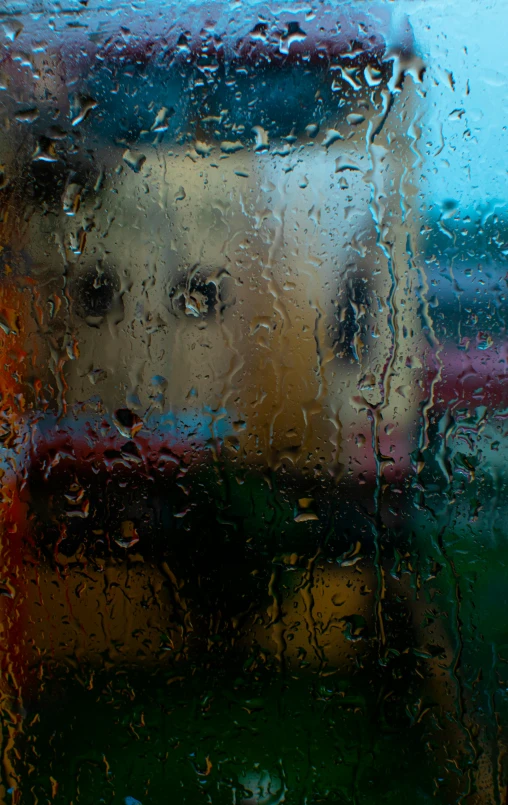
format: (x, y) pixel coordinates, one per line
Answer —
(253, 405)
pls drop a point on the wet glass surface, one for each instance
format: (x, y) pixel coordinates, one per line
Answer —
(253, 403)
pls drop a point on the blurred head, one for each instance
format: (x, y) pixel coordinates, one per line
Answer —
(212, 232)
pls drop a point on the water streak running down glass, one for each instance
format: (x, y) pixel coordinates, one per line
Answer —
(253, 405)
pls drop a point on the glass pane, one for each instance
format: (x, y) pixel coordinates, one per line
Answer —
(253, 404)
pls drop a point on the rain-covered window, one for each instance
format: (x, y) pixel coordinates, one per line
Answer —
(253, 403)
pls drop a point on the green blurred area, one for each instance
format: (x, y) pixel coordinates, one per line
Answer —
(223, 738)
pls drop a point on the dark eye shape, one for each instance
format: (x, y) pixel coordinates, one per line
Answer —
(197, 299)
(95, 290)
(45, 181)
(356, 295)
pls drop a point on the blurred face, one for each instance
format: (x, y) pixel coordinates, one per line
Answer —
(234, 273)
